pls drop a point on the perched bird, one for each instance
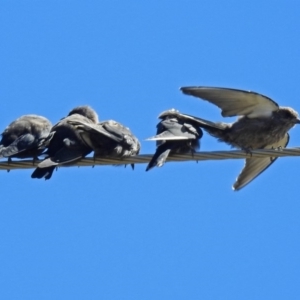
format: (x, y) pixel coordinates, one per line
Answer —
(262, 124)
(66, 146)
(25, 137)
(176, 133)
(108, 138)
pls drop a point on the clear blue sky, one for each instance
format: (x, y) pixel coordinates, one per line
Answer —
(177, 232)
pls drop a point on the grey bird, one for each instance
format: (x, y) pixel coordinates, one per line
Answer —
(262, 124)
(176, 133)
(108, 138)
(26, 137)
(66, 146)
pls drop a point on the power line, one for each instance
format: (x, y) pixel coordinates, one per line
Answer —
(145, 158)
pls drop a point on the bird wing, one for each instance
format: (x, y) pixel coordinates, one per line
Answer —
(115, 130)
(203, 123)
(166, 136)
(170, 129)
(234, 102)
(185, 117)
(22, 143)
(63, 156)
(96, 129)
(255, 166)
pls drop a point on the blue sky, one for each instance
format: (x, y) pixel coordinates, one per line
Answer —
(177, 232)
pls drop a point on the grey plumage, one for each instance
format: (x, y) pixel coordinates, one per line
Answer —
(254, 167)
(262, 124)
(176, 133)
(66, 146)
(25, 137)
(108, 138)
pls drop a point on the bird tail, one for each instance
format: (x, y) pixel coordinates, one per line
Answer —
(1, 151)
(8, 151)
(43, 172)
(160, 156)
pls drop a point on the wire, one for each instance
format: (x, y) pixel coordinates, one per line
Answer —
(145, 158)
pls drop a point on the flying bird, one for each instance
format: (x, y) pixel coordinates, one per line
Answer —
(26, 137)
(262, 124)
(176, 133)
(108, 138)
(66, 145)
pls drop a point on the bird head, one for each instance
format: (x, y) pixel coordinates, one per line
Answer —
(289, 115)
(85, 111)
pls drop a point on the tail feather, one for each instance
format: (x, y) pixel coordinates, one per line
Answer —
(160, 156)
(43, 172)
(8, 151)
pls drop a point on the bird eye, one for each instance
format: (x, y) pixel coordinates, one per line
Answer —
(287, 114)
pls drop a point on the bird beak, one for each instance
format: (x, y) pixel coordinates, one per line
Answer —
(297, 121)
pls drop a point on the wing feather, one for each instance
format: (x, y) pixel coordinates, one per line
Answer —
(255, 166)
(234, 102)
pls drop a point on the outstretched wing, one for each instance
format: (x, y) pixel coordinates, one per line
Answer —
(255, 166)
(234, 102)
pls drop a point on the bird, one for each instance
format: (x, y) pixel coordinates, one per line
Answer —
(261, 124)
(176, 133)
(66, 145)
(108, 138)
(26, 137)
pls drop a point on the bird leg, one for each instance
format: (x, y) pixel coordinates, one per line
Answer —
(94, 157)
(280, 148)
(248, 150)
(193, 151)
(35, 158)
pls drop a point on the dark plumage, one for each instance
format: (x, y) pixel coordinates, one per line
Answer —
(66, 146)
(262, 124)
(26, 137)
(108, 138)
(176, 133)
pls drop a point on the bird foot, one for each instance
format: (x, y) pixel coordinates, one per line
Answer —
(280, 148)
(34, 160)
(248, 150)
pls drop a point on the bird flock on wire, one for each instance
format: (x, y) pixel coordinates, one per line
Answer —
(261, 124)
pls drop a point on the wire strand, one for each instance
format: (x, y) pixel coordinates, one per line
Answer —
(145, 158)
